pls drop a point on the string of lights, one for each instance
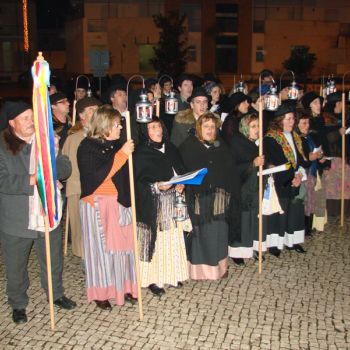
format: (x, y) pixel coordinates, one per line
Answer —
(25, 27)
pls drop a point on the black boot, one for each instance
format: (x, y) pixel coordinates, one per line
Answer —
(308, 225)
(238, 261)
(275, 251)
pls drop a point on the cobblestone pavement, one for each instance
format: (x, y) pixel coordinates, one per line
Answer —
(298, 302)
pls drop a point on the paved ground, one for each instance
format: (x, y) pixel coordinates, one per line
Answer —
(298, 302)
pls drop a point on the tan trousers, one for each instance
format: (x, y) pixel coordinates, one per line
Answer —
(75, 225)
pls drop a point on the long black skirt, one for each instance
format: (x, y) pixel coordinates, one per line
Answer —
(249, 236)
(286, 229)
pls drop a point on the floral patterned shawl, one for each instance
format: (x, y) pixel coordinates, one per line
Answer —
(286, 147)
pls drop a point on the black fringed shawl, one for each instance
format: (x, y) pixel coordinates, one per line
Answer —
(221, 184)
(95, 159)
(151, 165)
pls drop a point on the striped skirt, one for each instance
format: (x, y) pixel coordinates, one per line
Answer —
(169, 262)
(109, 274)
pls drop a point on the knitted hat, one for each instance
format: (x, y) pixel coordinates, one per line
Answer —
(209, 86)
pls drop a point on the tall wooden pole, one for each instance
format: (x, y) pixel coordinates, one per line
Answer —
(133, 207)
(66, 231)
(158, 107)
(49, 272)
(342, 164)
(260, 184)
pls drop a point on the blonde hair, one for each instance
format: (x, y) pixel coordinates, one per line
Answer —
(204, 118)
(102, 122)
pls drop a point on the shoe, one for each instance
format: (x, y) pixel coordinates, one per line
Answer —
(156, 290)
(299, 249)
(179, 285)
(275, 251)
(256, 256)
(129, 298)
(103, 304)
(19, 316)
(65, 303)
(238, 261)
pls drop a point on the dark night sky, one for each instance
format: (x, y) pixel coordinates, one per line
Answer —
(52, 13)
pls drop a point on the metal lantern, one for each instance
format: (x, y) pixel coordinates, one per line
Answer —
(330, 87)
(240, 87)
(271, 99)
(144, 109)
(180, 209)
(171, 104)
(293, 91)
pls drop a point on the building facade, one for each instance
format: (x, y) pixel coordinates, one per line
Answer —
(14, 59)
(227, 37)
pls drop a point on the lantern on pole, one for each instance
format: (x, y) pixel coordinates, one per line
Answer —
(171, 102)
(272, 100)
(293, 91)
(144, 108)
(330, 85)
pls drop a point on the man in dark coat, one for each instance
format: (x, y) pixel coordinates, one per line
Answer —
(16, 187)
(185, 120)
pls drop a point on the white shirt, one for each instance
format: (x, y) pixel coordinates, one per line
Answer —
(290, 140)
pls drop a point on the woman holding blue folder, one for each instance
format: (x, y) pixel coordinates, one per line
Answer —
(162, 246)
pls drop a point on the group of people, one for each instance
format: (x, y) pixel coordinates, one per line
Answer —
(211, 130)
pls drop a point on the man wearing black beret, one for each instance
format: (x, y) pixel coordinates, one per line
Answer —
(20, 227)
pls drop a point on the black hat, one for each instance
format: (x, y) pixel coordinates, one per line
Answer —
(199, 91)
(284, 108)
(58, 96)
(308, 98)
(237, 98)
(86, 102)
(334, 97)
(10, 110)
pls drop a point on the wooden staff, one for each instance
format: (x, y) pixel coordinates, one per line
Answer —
(157, 107)
(66, 231)
(49, 273)
(260, 183)
(342, 164)
(133, 207)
